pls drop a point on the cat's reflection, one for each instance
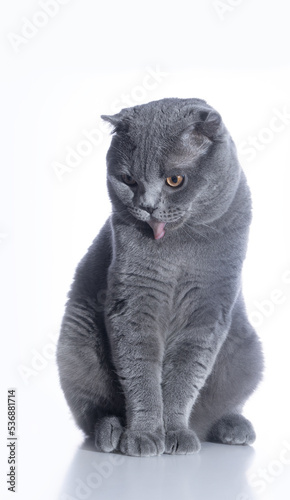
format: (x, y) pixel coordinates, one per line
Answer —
(218, 472)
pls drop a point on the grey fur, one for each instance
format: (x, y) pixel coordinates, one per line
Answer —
(156, 352)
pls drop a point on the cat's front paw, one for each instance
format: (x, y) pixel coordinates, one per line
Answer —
(141, 444)
(107, 433)
(181, 442)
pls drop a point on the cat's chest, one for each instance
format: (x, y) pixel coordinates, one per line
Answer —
(171, 276)
(171, 283)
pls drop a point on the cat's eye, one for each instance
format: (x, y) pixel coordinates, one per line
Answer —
(175, 181)
(130, 181)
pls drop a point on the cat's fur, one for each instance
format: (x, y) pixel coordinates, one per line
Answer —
(156, 351)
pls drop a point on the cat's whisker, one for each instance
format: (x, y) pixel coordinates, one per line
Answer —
(197, 232)
(190, 235)
(210, 227)
(119, 211)
(205, 225)
(126, 215)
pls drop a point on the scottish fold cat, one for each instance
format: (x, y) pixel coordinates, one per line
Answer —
(156, 352)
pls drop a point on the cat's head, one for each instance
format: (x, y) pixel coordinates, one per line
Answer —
(170, 161)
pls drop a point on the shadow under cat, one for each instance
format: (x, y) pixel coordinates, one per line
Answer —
(218, 472)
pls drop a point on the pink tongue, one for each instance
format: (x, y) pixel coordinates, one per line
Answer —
(158, 229)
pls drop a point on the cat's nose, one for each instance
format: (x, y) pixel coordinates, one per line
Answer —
(148, 209)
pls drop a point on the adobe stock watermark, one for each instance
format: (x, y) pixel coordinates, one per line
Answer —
(42, 357)
(266, 307)
(3, 237)
(84, 488)
(91, 139)
(224, 7)
(39, 359)
(264, 476)
(277, 124)
(47, 10)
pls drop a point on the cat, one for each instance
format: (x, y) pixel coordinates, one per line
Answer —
(156, 353)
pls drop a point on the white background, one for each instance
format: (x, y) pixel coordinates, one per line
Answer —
(65, 64)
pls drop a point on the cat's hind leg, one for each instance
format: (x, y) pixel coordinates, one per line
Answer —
(236, 373)
(88, 377)
(232, 429)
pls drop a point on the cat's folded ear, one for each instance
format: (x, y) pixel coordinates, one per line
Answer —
(119, 121)
(209, 123)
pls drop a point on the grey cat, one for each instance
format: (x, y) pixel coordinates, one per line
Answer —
(156, 352)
